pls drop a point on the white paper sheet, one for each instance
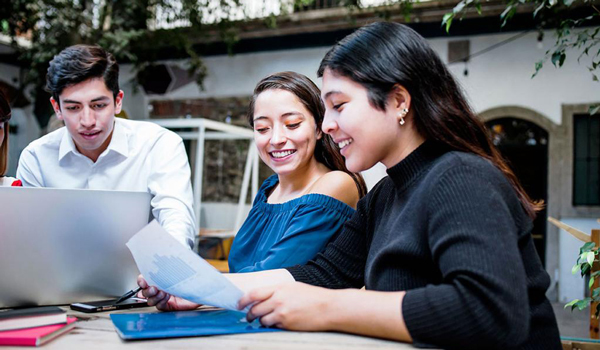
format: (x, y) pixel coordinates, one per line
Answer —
(173, 268)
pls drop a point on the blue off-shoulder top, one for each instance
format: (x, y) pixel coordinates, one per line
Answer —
(286, 234)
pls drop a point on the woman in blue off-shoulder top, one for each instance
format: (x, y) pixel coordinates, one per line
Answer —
(300, 208)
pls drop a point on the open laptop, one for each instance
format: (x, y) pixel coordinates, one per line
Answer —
(59, 246)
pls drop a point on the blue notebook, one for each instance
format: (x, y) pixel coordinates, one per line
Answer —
(185, 324)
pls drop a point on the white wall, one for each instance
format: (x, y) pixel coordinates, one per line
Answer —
(232, 76)
(501, 77)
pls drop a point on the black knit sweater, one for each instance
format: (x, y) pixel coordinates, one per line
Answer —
(448, 228)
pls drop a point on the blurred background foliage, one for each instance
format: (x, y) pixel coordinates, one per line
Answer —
(135, 31)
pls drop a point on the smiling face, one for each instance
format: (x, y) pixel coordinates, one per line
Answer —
(285, 132)
(88, 110)
(364, 134)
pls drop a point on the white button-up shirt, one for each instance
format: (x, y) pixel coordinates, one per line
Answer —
(141, 156)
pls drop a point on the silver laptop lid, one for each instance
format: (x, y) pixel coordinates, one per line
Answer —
(59, 246)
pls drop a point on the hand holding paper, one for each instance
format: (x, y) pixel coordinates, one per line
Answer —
(173, 268)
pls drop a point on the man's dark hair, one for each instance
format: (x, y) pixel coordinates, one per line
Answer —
(79, 63)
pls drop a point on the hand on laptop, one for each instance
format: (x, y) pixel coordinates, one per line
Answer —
(162, 300)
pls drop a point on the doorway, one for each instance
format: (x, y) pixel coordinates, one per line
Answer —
(524, 145)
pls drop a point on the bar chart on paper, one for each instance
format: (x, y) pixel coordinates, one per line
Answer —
(170, 270)
(177, 270)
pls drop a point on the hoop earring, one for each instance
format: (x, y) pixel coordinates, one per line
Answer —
(402, 114)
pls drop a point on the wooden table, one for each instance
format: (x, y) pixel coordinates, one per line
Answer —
(96, 331)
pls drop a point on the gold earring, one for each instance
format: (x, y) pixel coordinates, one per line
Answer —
(402, 114)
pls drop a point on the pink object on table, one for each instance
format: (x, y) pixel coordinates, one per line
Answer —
(36, 336)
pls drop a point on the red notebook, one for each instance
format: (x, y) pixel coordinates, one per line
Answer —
(36, 336)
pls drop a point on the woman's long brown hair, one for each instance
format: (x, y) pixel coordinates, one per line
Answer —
(326, 151)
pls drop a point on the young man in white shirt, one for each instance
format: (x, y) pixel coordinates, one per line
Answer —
(98, 151)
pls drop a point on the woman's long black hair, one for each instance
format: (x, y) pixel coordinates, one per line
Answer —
(383, 54)
(326, 151)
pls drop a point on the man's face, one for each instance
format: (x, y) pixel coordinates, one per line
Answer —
(88, 110)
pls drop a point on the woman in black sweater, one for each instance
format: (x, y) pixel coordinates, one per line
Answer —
(443, 244)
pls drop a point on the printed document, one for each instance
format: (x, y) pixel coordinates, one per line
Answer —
(175, 269)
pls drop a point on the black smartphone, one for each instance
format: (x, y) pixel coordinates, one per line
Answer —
(108, 305)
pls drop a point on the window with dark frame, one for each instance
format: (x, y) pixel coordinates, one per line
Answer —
(586, 159)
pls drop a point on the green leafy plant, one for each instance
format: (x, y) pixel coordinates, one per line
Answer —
(587, 256)
(570, 19)
(135, 31)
